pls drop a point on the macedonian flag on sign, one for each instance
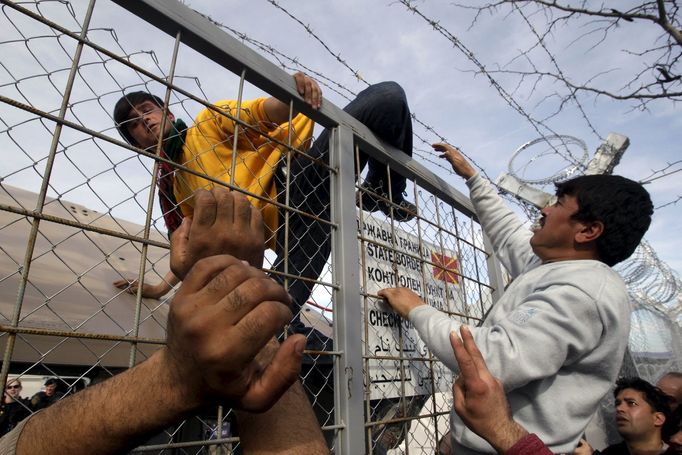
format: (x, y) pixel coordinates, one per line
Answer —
(445, 268)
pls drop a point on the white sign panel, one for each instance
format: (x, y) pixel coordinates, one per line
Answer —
(402, 260)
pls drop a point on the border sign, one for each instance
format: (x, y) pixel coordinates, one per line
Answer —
(396, 258)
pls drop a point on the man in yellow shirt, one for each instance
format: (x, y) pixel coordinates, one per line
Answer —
(258, 166)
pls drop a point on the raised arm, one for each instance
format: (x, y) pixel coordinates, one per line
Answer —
(150, 291)
(510, 238)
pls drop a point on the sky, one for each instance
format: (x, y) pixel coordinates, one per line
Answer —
(385, 41)
(382, 40)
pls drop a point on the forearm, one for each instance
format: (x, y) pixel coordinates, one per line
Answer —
(506, 436)
(168, 282)
(528, 444)
(509, 350)
(109, 418)
(290, 425)
(277, 111)
(288, 428)
(509, 237)
(434, 329)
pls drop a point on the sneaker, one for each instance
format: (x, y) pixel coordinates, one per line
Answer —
(371, 199)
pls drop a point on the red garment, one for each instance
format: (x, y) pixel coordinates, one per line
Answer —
(530, 444)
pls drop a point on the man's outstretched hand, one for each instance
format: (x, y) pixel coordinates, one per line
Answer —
(402, 300)
(227, 310)
(224, 222)
(479, 397)
(224, 313)
(459, 164)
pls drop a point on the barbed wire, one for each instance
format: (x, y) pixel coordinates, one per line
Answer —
(427, 156)
(280, 57)
(471, 56)
(650, 257)
(572, 95)
(307, 28)
(649, 279)
(662, 173)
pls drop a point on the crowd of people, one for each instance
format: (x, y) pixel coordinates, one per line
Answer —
(647, 417)
(14, 408)
(529, 379)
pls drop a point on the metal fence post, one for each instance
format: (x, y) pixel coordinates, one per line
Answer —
(348, 375)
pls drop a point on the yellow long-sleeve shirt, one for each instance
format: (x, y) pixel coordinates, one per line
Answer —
(208, 149)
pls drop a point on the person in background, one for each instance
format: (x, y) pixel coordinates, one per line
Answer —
(675, 440)
(643, 420)
(671, 384)
(47, 397)
(14, 408)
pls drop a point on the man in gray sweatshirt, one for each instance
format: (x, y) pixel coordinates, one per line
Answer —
(557, 336)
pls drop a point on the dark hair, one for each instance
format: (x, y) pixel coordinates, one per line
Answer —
(672, 425)
(51, 381)
(658, 400)
(123, 107)
(672, 374)
(622, 205)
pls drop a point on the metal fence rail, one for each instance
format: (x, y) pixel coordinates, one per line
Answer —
(79, 210)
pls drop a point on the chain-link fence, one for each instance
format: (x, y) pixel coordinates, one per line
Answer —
(80, 212)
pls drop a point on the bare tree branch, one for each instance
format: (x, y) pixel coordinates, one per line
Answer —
(664, 172)
(657, 76)
(668, 204)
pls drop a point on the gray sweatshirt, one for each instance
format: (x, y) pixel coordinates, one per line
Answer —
(556, 338)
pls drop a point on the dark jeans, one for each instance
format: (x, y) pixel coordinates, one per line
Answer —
(383, 109)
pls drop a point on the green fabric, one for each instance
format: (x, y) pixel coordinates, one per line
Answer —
(173, 144)
(172, 149)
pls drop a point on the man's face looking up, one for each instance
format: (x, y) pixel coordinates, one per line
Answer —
(145, 123)
(556, 231)
(635, 418)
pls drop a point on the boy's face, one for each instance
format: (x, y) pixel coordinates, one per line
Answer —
(145, 123)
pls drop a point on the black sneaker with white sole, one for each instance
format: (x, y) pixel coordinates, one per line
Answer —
(373, 198)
